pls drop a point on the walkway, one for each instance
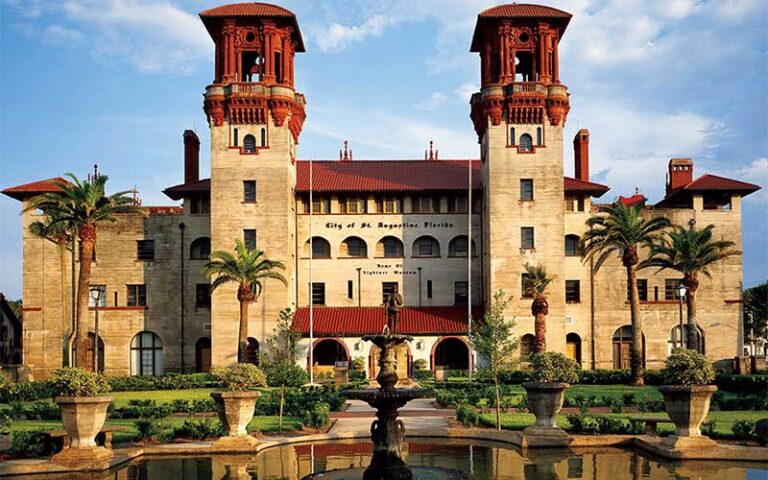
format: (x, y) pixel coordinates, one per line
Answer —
(418, 414)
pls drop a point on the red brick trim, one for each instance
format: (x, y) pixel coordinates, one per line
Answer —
(31, 309)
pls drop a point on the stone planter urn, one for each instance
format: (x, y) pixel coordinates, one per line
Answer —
(687, 407)
(83, 418)
(235, 411)
(545, 401)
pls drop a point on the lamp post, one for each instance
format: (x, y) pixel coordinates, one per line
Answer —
(681, 291)
(96, 296)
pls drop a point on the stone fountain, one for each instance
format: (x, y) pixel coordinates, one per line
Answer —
(387, 431)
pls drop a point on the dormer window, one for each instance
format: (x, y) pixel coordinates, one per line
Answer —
(249, 144)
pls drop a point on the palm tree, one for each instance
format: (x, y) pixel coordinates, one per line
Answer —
(248, 269)
(690, 251)
(621, 229)
(535, 283)
(60, 234)
(80, 206)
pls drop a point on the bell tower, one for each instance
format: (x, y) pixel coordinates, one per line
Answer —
(255, 117)
(519, 115)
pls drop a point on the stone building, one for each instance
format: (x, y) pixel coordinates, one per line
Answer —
(446, 233)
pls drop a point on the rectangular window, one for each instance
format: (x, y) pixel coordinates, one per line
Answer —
(572, 291)
(526, 238)
(318, 293)
(526, 189)
(145, 249)
(137, 296)
(200, 206)
(203, 295)
(429, 289)
(321, 205)
(460, 294)
(457, 204)
(387, 288)
(670, 288)
(249, 191)
(249, 238)
(425, 247)
(642, 289)
(350, 289)
(569, 204)
(102, 295)
(523, 286)
(580, 204)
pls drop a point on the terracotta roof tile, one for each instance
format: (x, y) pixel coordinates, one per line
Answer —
(164, 210)
(177, 192)
(574, 185)
(523, 10)
(631, 200)
(20, 192)
(714, 182)
(332, 321)
(212, 16)
(387, 175)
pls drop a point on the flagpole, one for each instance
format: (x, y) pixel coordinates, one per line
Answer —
(469, 270)
(311, 300)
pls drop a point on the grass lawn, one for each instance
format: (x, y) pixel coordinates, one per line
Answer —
(723, 420)
(121, 399)
(258, 424)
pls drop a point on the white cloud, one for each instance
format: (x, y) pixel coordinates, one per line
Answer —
(433, 102)
(465, 91)
(59, 34)
(757, 173)
(337, 37)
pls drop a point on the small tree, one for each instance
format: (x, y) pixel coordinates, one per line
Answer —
(493, 340)
(756, 311)
(535, 285)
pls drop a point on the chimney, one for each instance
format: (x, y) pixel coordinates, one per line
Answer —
(581, 155)
(679, 175)
(191, 157)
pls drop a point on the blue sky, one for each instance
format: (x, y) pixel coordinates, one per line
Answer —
(115, 82)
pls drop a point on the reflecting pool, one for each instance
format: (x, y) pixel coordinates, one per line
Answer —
(430, 458)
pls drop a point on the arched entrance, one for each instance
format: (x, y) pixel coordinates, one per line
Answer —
(622, 346)
(203, 355)
(674, 339)
(402, 356)
(326, 354)
(252, 351)
(573, 347)
(450, 353)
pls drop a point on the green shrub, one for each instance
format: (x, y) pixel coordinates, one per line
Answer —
(357, 375)
(709, 428)
(199, 429)
(743, 384)
(467, 415)
(358, 363)
(152, 429)
(171, 381)
(628, 400)
(142, 409)
(688, 367)
(423, 374)
(203, 405)
(761, 431)
(5, 423)
(743, 430)
(29, 443)
(317, 417)
(78, 382)
(420, 364)
(549, 367)
(241, 377)
(288, 374)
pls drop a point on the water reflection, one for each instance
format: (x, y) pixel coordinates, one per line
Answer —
(294, 462)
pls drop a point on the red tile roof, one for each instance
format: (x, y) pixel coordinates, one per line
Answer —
(574, 185)
(20, 192)
(333, 321)
(212, 16)
(177, 192)
(164, 210)
(387, 175)
(636, 198)
(523, 10)
(708, 183)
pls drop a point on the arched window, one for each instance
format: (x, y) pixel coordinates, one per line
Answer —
(573, 347)
(203, 354)
(512, 138)
(263, 137)
(354, 247)
(389, 247)
(674, 339)
(200, 249)
(90, 352)
(526, 143)
(146, 354)
(572, 246)
(426, 246)
(458, 247)
(320, 248)
(527, 346)
(538, 136)
(622, 347)
(249, 143)
(252, 351)
(452, 354)
(234, 137)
